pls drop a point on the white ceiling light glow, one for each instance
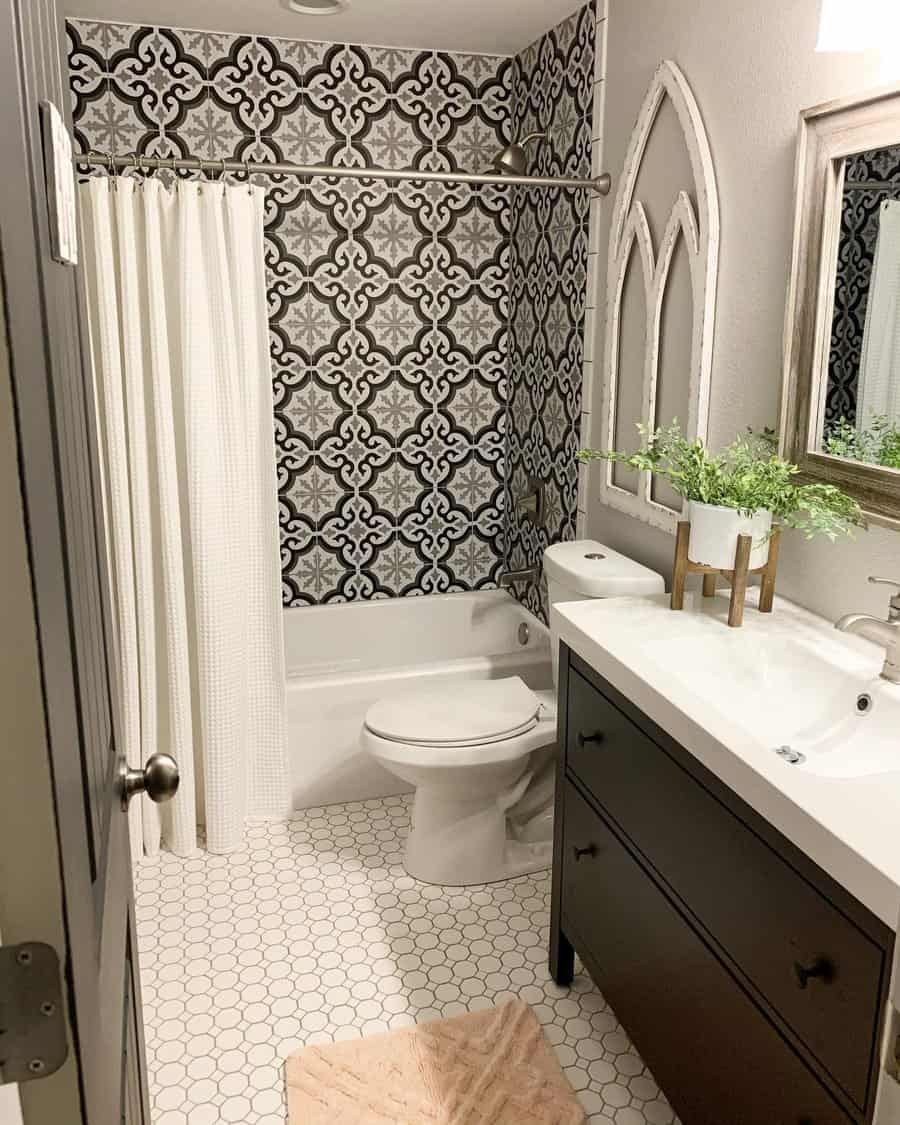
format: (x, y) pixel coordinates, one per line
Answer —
(857, 25)
(316, 7)
(863, 25)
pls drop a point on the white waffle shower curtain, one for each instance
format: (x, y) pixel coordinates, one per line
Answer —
(879, 366)
(177, 312)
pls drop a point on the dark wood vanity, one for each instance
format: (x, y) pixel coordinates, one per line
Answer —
(752, 984)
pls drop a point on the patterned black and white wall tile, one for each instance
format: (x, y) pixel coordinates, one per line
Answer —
(425, 359)
(553, 92)
(388, 306)
(856, 254)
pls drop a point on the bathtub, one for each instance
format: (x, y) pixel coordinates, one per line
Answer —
(341, 658)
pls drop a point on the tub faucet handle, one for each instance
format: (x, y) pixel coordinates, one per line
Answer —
(509, 578)
(530, 506)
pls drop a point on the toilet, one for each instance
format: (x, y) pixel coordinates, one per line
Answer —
(481, 754)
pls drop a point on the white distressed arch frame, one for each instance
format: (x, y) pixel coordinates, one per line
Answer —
(630, 229)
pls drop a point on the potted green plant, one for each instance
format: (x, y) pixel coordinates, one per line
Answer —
(739, 491)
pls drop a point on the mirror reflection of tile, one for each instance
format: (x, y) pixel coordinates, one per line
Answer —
(862, 395)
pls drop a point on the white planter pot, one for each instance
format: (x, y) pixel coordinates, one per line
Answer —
(715, 531)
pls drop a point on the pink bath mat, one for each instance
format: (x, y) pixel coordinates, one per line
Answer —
(490, 1067)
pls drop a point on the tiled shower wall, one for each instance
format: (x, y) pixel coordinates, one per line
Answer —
(553, 91)
(389, 306)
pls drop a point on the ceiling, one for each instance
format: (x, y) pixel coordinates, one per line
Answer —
(501, 27)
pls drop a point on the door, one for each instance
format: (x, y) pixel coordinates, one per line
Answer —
(49, 377)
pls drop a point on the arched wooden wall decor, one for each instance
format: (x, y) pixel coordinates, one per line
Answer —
(700, 230)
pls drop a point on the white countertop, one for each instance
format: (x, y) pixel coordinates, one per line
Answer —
(849, 826)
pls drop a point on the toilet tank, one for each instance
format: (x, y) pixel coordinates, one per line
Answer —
(583, 568)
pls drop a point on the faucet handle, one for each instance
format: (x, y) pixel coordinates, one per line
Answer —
(884, 581)
(894, 613)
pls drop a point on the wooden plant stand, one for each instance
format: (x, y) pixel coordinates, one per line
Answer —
(737, 578)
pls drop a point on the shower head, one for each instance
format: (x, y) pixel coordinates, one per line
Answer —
(513, 159)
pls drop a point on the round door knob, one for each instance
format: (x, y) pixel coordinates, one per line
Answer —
(158, 779)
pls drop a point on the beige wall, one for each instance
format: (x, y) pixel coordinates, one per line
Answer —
(752, 67)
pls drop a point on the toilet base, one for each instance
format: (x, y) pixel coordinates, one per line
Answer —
(462, 841)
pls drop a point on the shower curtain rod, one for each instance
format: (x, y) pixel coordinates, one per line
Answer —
(871, 185)
(600, 184)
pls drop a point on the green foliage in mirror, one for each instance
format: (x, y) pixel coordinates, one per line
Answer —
(878, 444)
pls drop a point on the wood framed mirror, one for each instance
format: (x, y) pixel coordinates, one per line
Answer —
(841, 399)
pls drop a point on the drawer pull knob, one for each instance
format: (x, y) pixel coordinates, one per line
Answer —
(590, 851)
(593, 739)
(821, 968)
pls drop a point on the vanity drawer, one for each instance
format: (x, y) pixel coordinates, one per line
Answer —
(707, 1044)
(815, 966)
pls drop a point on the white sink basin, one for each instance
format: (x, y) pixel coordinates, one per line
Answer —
(822, 706)
(732, 697)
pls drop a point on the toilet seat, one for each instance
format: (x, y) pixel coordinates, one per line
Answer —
(487, 711)
(537, 731)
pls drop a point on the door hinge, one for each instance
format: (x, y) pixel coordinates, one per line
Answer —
(33, 1039)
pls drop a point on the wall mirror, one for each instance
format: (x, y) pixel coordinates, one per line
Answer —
(841, 409)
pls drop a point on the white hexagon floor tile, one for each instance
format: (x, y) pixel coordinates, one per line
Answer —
(313, 932)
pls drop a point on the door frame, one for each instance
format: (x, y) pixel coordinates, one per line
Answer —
(64, 873)
(31, 896)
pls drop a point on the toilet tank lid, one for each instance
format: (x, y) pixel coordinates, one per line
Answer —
(594, 570)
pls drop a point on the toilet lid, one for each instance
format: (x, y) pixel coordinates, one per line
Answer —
(457, 714)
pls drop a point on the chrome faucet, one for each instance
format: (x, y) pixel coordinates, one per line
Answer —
(508, 578)
(885, 633)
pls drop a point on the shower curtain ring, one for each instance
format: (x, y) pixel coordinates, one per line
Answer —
(247, 173)
(95, 152)
(224, 170)
(110, 167)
